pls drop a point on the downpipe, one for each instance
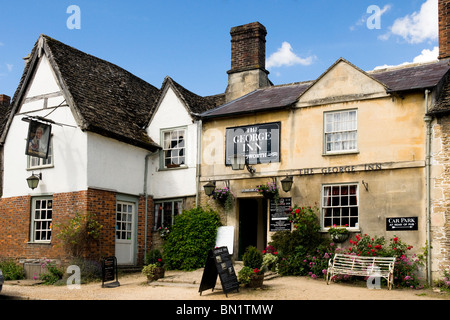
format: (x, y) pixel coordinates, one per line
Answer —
(427, 120)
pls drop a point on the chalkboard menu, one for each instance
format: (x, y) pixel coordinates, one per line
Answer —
(279, 214)
(219, 263)
(109, 272)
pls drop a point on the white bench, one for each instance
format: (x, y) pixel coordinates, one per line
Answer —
(352, 265)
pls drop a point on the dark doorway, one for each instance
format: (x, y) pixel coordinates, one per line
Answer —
(252, 224)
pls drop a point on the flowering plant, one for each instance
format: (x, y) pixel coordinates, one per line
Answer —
(335, 230)
(269, 190)
(225, 197)
(163, 232)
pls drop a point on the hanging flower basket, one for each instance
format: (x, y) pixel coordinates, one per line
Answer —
(224, 197)
(268, 191)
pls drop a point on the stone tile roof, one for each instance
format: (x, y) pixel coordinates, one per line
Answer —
(194, 103)
(104, 98)
(401, 79)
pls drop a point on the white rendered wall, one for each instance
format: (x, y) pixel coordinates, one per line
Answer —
(114, 165)
(177, 182)
(68, 172)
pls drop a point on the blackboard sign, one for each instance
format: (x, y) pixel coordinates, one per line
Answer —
(219, 263)
(279, 214)
(109, 272)
(402, 223)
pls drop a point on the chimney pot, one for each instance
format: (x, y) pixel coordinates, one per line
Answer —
(248, 60)
(444, 29)
(4, 100)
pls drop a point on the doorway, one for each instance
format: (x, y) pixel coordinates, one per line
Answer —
(252, 224)
(125, 233)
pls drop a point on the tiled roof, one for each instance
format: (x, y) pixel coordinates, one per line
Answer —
(105, 98)
(407, 78)
(270, 98)
(412, 77)
(196, 104)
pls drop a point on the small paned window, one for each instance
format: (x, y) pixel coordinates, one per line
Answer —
(340, 205)
(41, 219)
(174, 148)
(166, 211)
(341, 131)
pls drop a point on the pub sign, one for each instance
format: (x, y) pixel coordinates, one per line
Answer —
(259, 143)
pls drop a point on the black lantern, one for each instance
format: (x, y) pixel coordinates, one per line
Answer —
(209, 188)
(238, 162)
(33, 180)
(286, 183)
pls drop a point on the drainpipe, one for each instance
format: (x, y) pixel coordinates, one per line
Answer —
(146, 200)
(427, 120)
(199, 161)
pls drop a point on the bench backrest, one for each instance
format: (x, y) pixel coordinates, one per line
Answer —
(363, 264)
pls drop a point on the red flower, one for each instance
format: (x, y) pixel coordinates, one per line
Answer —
(159, 259)
(395, 239)
(256, 270)
(297, 210)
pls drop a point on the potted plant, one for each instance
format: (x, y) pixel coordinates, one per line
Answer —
(338, 234)
(268, 191)
(225, 197)
(252, 274)
(154, 268)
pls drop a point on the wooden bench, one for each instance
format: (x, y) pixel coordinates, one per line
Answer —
(352, 265)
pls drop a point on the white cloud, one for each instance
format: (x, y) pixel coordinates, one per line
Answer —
(9, 67)
(286, 57)
(425, 56)
(418, 26)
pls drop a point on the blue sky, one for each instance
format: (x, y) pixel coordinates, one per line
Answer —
(189, 40)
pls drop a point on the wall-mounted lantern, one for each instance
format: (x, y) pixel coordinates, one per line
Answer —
(33, 180)
(209, 188)
(238, 162)
(286, 183)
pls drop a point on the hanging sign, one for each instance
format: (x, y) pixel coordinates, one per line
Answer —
(279, 214)
(38, 140)
(402, 224)
(219, 263)
(259, 143)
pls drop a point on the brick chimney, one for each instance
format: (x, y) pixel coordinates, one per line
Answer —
(4, 100)
(248, 60)
(444, 29)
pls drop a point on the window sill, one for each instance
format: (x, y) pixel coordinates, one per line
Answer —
(343, 153)
(38, 243)
(173, 168)
(40, 168)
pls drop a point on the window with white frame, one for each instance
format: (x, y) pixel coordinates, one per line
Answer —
(341, 128)
(41, 219)
(166, 211)
(35, 162)
(340, 205)
(174, 148)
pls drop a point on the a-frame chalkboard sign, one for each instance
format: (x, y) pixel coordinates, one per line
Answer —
(219, 263)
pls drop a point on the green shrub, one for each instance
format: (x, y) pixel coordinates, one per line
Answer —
(192, 235)
(11, 270)
(252, 258)
(154, 257)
